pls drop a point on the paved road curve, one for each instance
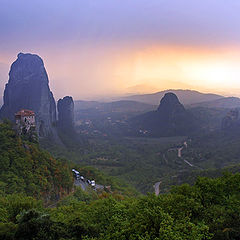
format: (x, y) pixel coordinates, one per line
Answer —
(156, 188)
(80, 183)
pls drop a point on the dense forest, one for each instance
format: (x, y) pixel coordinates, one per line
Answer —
(207, 210)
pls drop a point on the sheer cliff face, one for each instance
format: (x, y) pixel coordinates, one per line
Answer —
(28, 88)
(65, 108)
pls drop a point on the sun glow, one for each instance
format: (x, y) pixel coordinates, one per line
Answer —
(213, 74)
(172, 67)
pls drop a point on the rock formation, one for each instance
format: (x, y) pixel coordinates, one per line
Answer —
(170, 108)
(170, 119)
(28, 88)
(65, 109)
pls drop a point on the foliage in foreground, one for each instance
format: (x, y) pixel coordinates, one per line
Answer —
(208, 210)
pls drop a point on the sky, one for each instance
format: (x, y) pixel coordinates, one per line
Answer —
(102, 48)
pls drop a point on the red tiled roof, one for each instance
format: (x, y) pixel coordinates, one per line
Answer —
(25, 112)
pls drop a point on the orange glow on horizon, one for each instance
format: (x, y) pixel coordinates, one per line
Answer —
(89, 71)
(176, 67)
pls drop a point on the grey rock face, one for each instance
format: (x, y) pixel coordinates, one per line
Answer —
(65, 108)
(28, 88)
(170, 107)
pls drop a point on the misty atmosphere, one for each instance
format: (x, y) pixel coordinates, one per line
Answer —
(120, 120)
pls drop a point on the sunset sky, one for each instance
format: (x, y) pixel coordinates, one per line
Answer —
(96, 48)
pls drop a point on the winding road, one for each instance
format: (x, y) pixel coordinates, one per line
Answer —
(179, 154)
(156, 188)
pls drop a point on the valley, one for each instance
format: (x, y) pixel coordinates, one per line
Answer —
(142, 160)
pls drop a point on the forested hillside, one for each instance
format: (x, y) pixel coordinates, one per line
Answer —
(25, 168)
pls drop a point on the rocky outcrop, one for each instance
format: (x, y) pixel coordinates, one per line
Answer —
(170, 108)
(28, 88)
(170, 119)
(65, 109)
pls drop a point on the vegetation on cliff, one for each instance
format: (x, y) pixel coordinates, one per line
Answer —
(25, 168)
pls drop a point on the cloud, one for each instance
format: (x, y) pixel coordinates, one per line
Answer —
(174, 21)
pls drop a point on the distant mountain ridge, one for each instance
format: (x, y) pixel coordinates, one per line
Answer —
(227, 102)
(186, 97)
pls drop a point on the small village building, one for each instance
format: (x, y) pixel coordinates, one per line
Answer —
(25, 119)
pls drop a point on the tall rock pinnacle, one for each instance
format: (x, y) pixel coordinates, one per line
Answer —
(170, 106)
(28, 88)
(65, 108)
(170, 119)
